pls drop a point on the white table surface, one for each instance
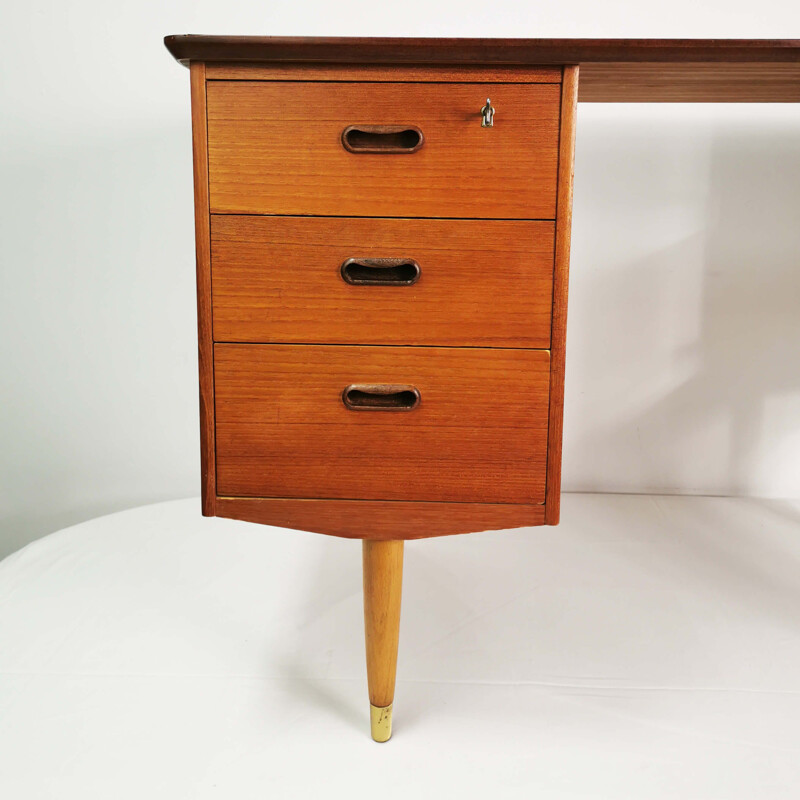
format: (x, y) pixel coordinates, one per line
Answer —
(649, 647)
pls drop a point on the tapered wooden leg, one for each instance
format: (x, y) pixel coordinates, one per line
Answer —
(383, 583)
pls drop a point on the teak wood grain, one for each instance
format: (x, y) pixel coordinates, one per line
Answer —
(478, 434)
(690, 83)
(566, 162)
(204, 319)
(379, 519)
(485, 283)
(276, 148)
(615, 82)
(367, 72)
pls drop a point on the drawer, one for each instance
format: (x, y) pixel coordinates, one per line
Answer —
(278, 148)
(478, 432)
(475, 282)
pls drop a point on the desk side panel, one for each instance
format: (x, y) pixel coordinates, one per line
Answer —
(558, 334)
(205, 337)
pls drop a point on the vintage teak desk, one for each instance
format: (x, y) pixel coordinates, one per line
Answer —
(382, 235)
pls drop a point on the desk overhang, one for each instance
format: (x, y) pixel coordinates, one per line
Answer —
(611, 70)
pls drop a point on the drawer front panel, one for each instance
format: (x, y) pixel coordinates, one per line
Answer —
(479, 283)
(277, 148)
(477, 434)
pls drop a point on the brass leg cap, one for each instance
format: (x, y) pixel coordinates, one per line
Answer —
(380, 720)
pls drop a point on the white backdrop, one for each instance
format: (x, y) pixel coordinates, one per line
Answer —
(684, 340)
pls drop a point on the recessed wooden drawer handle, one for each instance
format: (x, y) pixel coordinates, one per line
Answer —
(382, 138)
(380, 397)
(380, 271)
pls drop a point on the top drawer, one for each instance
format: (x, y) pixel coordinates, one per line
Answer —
(277, 148)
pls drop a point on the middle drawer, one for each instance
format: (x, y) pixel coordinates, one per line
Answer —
(382, 281)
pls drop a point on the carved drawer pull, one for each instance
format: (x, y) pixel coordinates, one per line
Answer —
(380, 397)
(382, 138)
(380, 271)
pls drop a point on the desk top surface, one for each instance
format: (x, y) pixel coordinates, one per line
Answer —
(361, 50)
(612, 70)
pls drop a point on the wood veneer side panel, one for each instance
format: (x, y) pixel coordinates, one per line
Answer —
(381, 73)
(558, 336)
(620, 82)
(205, 338)
(380, 520)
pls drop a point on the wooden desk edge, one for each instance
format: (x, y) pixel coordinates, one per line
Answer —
(612, 70)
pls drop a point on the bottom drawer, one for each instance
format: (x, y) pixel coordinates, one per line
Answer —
(460, 424)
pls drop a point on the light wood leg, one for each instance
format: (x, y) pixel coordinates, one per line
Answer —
(383, 583)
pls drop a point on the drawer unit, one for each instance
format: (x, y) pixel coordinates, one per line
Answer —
(350, 280)
(382, 258)
(382, 423)
(391, 229)
(382, 149)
